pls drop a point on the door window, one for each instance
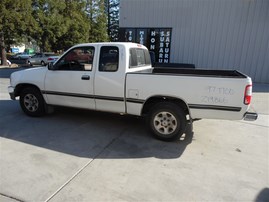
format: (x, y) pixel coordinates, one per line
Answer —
(37, 55)
(77, 59)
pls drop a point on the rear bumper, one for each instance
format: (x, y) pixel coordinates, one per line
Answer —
(250, 116)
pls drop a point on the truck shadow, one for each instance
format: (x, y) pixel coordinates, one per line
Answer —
(88, 134)
(263, 196)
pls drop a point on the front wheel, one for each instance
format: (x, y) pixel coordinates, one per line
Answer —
(29, 63)
(32, 102)
(167, 121)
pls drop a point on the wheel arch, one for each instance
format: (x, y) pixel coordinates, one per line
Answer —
(152, 101)
(22, 86)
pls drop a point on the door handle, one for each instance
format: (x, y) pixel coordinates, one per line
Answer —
(85, 77)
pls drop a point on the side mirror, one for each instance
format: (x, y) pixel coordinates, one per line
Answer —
(50, 66)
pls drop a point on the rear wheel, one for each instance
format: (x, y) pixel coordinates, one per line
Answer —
(32, 102)
(43, 63)
(167, 121)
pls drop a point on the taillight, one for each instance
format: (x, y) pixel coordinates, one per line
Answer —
(248, 94)
(49, 59)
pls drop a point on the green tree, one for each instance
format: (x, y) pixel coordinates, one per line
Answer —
(15, 23)
(51, 23)
(62, 23)
(97, 15)
(77, 25)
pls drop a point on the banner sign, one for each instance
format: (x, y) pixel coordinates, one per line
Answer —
(157, 40)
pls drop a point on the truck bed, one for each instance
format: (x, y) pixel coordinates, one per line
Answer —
(212, 94)
(199, 72)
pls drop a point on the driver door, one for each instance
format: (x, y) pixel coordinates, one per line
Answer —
(70, 82)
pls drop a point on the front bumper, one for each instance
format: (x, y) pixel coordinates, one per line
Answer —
(11, 92)
(250, 116)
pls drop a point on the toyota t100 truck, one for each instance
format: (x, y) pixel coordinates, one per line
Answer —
(119, 78)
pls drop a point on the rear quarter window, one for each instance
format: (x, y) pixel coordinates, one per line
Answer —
(109, 59)
(139, 57)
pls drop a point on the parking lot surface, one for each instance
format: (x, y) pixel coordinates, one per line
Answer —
(75, 155)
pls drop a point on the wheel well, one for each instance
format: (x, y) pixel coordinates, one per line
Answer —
(20, 87)
(151, 102)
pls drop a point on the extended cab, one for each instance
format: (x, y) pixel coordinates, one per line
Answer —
(119, 78)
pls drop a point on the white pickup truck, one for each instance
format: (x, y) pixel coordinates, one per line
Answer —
(119, 78)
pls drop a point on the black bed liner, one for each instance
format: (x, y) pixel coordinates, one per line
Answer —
(174, 65)
(199, 72)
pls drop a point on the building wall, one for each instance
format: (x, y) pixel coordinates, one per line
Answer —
(212, 34)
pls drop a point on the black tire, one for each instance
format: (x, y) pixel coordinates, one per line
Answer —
(30, 64)
(32, 102)
(167, 121)
(43, 63)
